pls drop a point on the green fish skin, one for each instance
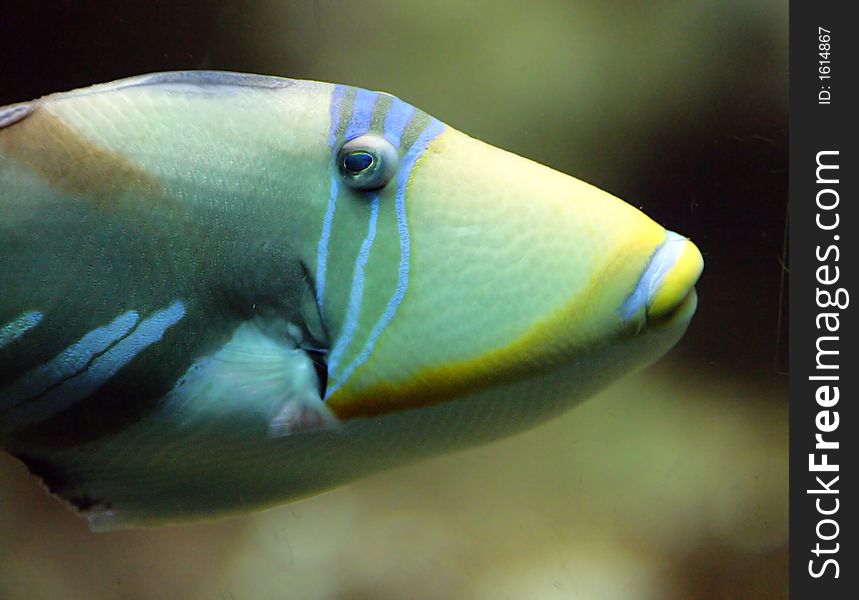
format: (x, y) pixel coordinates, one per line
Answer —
(220, 292)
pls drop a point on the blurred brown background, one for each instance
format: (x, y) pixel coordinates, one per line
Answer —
(672, 483)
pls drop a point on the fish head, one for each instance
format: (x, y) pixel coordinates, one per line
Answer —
(470, 268)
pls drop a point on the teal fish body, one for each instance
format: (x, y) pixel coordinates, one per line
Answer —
(223, 291)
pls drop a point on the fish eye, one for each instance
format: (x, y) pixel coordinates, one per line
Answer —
(367, 162)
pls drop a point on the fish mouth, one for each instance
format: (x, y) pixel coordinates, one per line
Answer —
(666, 289)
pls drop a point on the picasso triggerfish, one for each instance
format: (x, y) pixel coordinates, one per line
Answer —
(220, 292)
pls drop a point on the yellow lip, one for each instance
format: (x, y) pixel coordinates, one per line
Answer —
(677, 282)
(667, 280)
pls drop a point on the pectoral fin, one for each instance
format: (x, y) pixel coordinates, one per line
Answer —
(261, 369)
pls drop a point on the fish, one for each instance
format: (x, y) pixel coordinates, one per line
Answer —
(221, 292)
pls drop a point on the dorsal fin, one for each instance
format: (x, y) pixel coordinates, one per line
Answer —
(190, 81)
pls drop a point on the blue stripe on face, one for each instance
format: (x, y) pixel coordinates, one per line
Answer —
(18, 326)
(356, 295)
(328, 220)
(399, 115)
(362, 114)
(433, 130)
(105, 365)
(67, 363)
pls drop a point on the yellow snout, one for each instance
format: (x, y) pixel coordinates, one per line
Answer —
(514, 269)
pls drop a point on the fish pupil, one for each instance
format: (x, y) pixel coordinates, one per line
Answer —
(357, 161)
